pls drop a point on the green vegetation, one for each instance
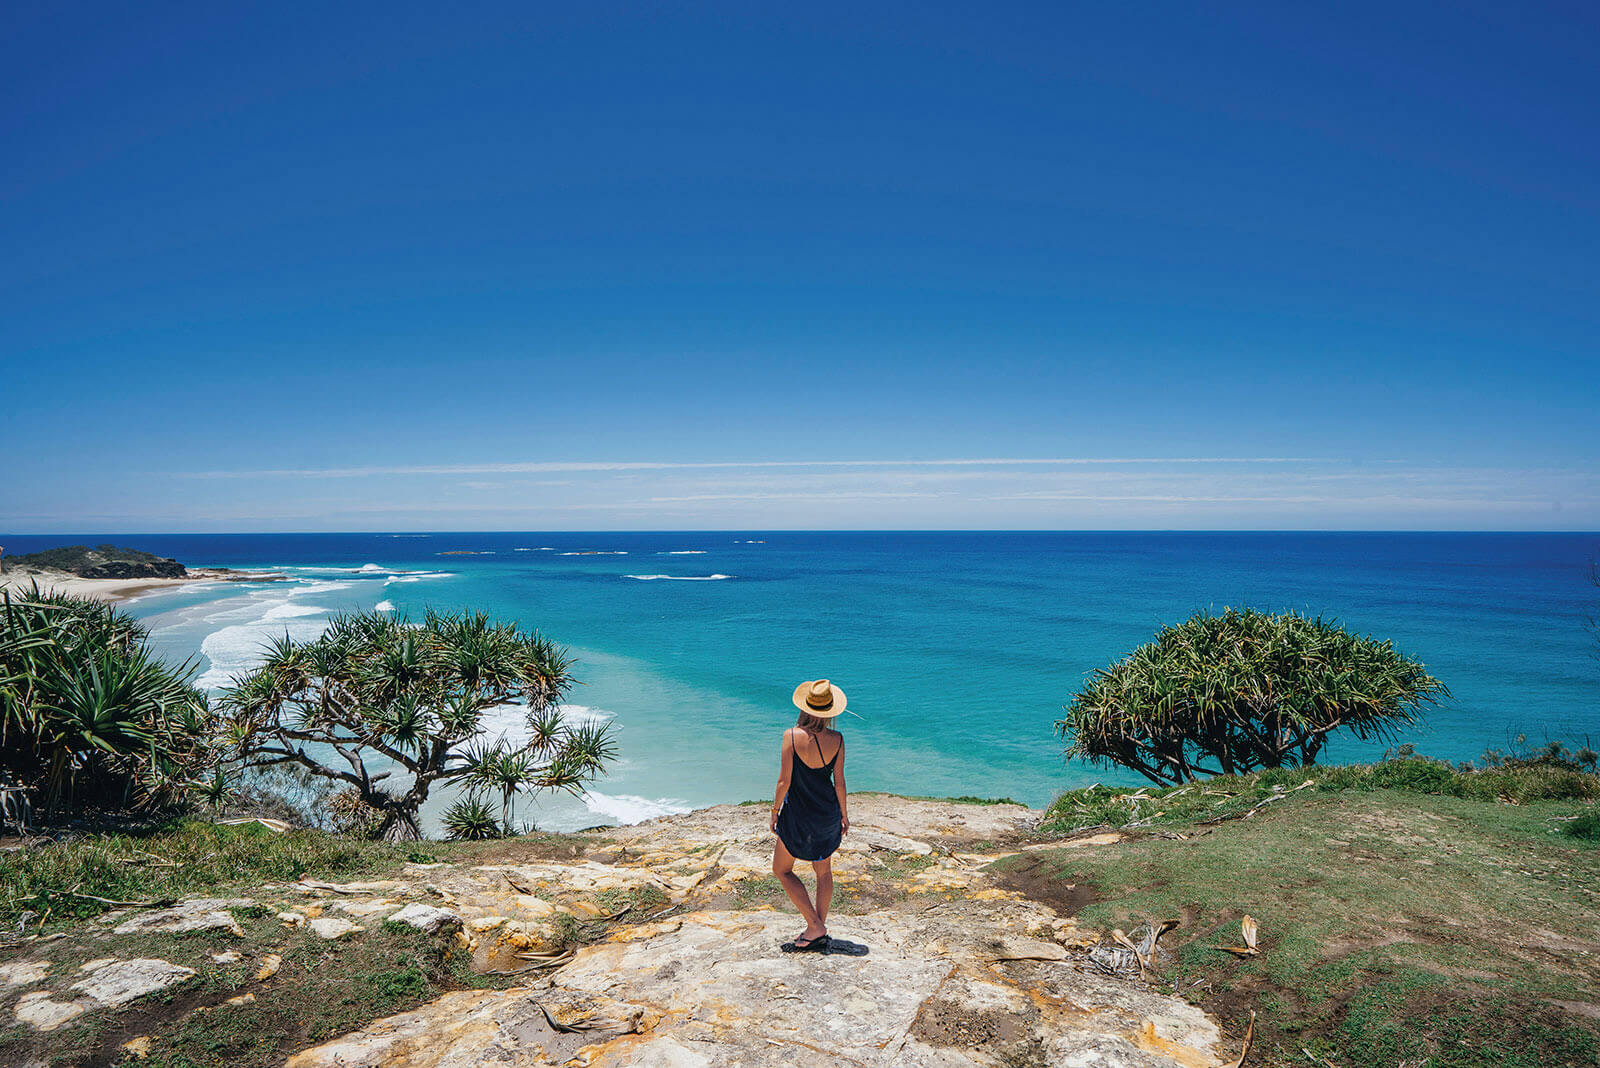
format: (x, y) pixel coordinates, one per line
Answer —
(1410, 912)
(89, 716)
(1228, 796)
(406, 697)
(103, 561)
(195, 858)
(1243, 690)
(321, 990)
(471, 819)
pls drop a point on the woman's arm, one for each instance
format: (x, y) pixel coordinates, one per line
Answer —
(785, 765)
(838, 786)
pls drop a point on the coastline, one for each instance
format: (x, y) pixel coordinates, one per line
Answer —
(119, 590)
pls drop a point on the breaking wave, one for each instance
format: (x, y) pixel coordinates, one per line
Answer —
(679, 578)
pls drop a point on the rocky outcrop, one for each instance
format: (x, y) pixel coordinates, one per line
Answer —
(958, 971)
(658, 945)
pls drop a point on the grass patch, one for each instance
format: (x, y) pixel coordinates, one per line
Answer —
(754, 893)
(195, 858)
(321, 990)
(1104, 806)
(1408, 914)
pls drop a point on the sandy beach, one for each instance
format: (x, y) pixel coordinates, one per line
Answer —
(121, 589)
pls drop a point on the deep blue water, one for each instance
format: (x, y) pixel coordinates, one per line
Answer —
(957, 650)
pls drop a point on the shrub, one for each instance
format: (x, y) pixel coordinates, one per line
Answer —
(1242, 691)
(471, 819)
(1586, 826)
(89, 716)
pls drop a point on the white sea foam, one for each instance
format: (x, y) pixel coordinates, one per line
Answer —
(598, 552)
(384, 606)
(627, 808)
(683, 552)
(509, 722)
(416, 576)
(237, 649)
(367, 569)
(679, 578)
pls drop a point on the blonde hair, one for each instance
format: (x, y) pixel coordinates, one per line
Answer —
(810, 724)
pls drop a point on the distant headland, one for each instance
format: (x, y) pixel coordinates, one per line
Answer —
(109, 572)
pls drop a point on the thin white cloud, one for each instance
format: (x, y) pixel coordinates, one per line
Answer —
(558, 466)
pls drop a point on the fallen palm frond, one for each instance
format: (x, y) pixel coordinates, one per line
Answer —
(160, 903)
(536, 962)
(1132, 953)
(1249, 1040)
(1249, 929)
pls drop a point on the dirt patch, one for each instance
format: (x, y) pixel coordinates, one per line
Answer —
(947, 1023)
(1038, 879)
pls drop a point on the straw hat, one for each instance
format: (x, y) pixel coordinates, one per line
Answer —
(820, 698)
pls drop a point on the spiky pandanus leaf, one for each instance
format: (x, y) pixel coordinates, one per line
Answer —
(471, 819)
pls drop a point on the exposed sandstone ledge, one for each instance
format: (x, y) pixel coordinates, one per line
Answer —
(960, 971)
(679, 966)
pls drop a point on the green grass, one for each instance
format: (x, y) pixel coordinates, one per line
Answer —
(1097, 806)
(1406, 915)
(321, 990)
(196, 858)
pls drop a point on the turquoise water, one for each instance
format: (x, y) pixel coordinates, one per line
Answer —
(956, 650)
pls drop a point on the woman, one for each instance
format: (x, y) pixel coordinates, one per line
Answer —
(808, 813)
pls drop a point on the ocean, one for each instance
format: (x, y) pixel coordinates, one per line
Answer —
(957, 650)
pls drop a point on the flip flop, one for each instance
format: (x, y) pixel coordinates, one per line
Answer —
(818, 944)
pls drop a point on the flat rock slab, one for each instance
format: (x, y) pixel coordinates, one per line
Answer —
(333, 928)
(712, 990)
(110, 984)
(199, 914)
(23, 972)
(427, 918)
(120, 982)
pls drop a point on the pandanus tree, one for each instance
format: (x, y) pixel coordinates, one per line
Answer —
(1231, 693)
(390, 708)
(89, 716)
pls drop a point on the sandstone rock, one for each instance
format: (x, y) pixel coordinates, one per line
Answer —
(363, 906)
(713, 990)
(333, 928)
(39, 1010)
(124, 981)
(200, 914)
(231, 956)
(138, 1048)
(427, 918)
(23, 972)
(269, 967)
(961, 972)
(100, 962)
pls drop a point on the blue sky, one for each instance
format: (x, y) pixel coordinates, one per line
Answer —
(596, 266)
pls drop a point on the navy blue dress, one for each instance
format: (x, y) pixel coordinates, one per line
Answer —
(808, 824)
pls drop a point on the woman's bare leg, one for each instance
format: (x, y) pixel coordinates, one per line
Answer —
(783, 868)
(824, 870)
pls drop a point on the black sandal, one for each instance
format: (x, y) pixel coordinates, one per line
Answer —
(802, 944)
